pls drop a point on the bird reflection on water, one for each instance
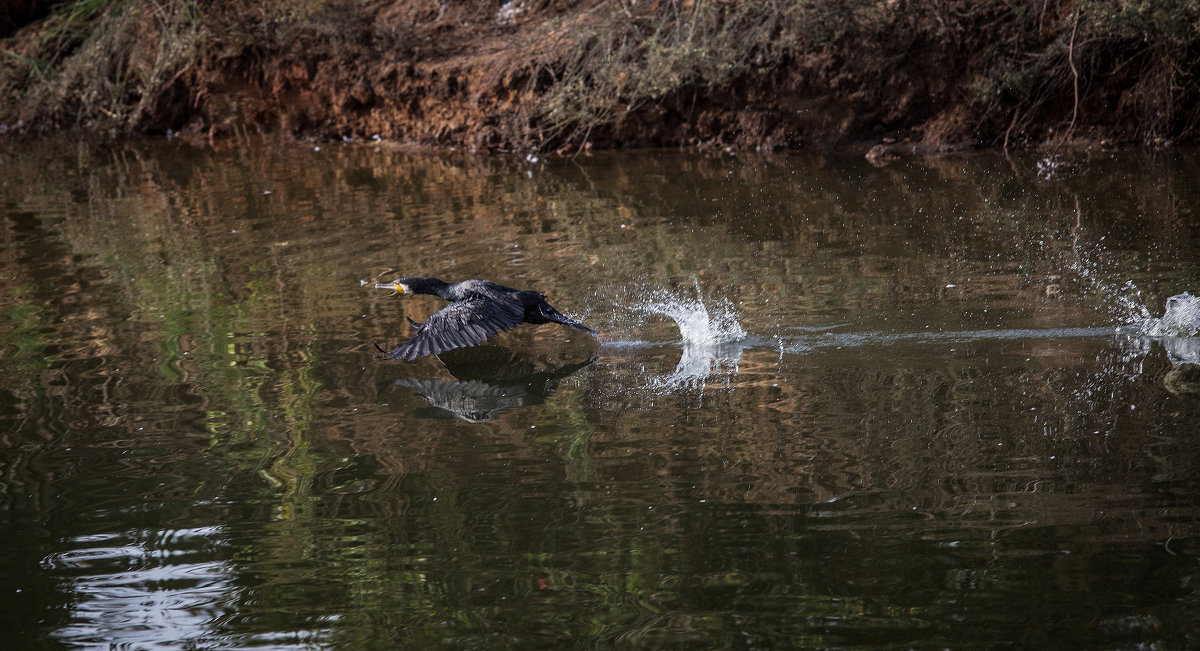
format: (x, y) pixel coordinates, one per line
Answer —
(487, 380)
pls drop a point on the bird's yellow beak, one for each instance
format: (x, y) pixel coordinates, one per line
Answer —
(395, 286)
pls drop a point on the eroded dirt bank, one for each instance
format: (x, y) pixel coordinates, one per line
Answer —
(562, 75)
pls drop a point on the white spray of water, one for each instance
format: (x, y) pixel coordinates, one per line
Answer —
(710, 334)
(698, 324)
(1181, 319)
(1123, 299)
(1178, 329)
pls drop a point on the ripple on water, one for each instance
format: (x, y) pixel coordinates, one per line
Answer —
(145, 589)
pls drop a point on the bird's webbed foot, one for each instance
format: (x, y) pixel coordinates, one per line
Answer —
(383, 354)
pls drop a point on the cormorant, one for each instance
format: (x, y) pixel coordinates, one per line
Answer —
(478, 309)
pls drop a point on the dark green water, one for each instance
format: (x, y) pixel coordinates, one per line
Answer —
(931, 434)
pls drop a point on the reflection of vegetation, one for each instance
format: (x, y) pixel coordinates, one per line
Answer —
(299, 390)
(175, 322)
(24, 334)
(567, 428)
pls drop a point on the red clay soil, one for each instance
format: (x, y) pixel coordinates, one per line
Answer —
(901, 76)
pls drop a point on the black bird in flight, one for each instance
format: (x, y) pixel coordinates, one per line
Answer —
(478, 309)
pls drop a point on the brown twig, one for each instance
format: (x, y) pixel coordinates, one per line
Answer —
(1016, 114)
(1074, 74)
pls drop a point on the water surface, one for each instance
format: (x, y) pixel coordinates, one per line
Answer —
(831, 405)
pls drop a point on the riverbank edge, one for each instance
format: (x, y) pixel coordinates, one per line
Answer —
(883, 78)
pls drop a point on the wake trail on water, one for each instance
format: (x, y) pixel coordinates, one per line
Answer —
(712, 336)
(860, 339)
(715, 324)
(712, 340)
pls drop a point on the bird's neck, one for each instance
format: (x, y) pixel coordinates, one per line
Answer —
(431, 286)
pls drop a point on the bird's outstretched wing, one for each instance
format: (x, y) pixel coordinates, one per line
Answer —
(462, 323)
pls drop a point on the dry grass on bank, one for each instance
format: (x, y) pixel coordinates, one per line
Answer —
(1026, 67)
(986, 71)
(106, 64)
(600, 65)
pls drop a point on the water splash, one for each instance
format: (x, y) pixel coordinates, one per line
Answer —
(1102, 278)
(698, 324)
(698, 366)
(711, 336)
(1181, 318)
(1123, 299)
(1178, 329)
(1048, 167)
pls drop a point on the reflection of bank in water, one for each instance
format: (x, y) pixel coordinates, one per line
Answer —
(487, 380)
